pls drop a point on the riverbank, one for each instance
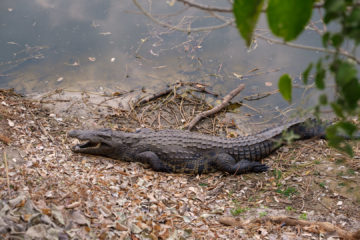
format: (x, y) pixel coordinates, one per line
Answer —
(48, 192)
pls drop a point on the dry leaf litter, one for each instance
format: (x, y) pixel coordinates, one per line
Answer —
(47, 192)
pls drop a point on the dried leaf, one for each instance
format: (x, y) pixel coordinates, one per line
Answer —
(79, 218)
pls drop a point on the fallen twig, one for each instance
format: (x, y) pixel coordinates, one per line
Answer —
(7, 172)
(206, 8)
(310, 226)
(202, 88)
(174, 87)
(217, 108)
(259, 96)
(155, 95)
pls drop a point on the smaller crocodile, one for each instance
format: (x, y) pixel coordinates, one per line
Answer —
(180, 151)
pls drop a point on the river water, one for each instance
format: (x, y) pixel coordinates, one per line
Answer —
(109, 45)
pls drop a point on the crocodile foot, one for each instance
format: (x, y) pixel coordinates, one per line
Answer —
(245, 166)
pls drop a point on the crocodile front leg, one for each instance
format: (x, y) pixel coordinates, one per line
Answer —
(153, 160)
(225, 162)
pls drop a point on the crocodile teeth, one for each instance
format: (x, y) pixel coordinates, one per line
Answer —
(88, 144)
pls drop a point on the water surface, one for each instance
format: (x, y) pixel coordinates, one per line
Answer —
(110, 45)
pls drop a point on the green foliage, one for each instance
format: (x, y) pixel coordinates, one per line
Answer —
(352, 25)
(277, 174)
(287, 19)
(351, 171)
(323, 100)
(306, 73)
(303, 216)
(285, 87)
(320, 76)
(322, 184)
(348, 85)
(237, 211)
(287, 137)
(263, 214)
(341, 184)
(288, 192)
(338, 132)
(317, 161)
(289, 208)
(246, 15)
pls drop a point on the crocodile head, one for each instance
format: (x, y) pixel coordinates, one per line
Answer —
(97, 142)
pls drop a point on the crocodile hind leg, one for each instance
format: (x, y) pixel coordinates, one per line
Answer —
(225, 162)
(153, 160)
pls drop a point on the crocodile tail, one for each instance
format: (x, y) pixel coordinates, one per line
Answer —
(316, 128)
(310, 128)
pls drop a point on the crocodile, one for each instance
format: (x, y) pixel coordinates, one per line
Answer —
(179, 151)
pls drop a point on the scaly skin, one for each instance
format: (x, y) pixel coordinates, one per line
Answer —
(188, 152)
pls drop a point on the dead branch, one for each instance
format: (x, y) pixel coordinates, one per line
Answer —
(186, 30)
(7, 172)
(217, 108)
(310, 226)
(311, 48)
(174, 87)
(202, 88)
(206, 8)
(259, 96)
(155, 95)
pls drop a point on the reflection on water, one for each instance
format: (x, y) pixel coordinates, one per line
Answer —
(110, 45)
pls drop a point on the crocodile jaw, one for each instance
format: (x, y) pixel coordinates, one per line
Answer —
(96, 142)
(86, 145)
(90, 147)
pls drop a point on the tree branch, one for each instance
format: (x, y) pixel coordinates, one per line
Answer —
(186, 30)
(206, 8)
(295, 45)
(230, 22)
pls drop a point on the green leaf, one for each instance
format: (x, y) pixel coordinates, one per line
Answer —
(306, 73)
(319, 80)
(285, 87)
(246, 15)
(345, 73)
(348, 149)
(325, 39)
(333, 9)
(337, 133)
(288, 18)
(351, 93)
(320, 76)
(337, 40)
(337, 109)
(352, 24)
(323, 99)
(348, 84)
(348, 127)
